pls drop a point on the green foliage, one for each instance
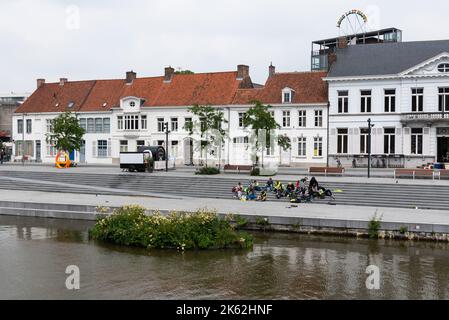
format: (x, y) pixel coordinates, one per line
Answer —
(130, 226)
(284, 142)
(67, 133)
(259, 118)
(403, 230)
(208, 171)
(373, 227)
(262, 221)
(241, 221)
(209, 126)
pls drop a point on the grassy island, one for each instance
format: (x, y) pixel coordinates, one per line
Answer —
(130, 226)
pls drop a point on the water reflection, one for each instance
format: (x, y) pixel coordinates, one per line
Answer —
(35, 252)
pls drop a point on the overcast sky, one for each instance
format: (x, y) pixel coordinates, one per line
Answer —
(103, 39)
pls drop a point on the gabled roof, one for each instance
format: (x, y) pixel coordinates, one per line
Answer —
(384, 59)
(309, 87)
(52, 97)
(217, 88)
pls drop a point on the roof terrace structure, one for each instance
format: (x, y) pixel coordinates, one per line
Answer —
(323, 50)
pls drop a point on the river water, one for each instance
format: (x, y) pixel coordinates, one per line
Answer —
(34, 254)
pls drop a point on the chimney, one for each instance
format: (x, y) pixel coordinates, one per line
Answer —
(242, 71)
(332, 57)
(169, 71)
(40, 83)
(342, 43)
(130, 76)
(271, 70)
(62, 81)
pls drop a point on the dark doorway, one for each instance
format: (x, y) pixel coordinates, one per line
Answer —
(443, 149)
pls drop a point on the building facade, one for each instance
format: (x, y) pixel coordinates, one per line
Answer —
(8, 105)
(403, 88)
(120, 115)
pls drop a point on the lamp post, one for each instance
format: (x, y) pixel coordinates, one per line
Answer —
(369, 147)
(327, 144)
(23, 139)
(166, 145)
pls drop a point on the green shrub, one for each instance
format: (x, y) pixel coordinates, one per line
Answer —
(373, 227)
(207, 171)
(403, 230)
(241, 221)
(262, 221)
(130, 226)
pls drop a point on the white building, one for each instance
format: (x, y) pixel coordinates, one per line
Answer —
(121, 114)
(403, 88)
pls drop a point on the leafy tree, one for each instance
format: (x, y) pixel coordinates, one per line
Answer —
(259, 118)
(210, 121)
(67, 133)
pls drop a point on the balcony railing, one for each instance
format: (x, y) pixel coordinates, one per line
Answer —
(425, 116)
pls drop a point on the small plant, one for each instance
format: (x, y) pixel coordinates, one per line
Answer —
(241, 221)
(207, 171)
(262, 221)
(374, 226)
(403, 230)
(101, 209)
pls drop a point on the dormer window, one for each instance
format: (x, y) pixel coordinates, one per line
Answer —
(443, 67)
(132, 104)
(287, 95)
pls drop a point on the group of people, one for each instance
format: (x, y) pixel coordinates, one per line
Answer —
(301, 191)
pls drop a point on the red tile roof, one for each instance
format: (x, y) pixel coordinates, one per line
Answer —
(184, 90)
(219, 88)
(308, 87)
(52, 97)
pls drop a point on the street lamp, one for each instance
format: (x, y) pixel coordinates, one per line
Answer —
(23, 139)
(369, 147)
(166, 145)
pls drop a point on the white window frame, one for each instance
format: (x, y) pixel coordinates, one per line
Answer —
(286, 119)
(160, 124)
(443, 99)
(318, 147)
(120, 123)
(419, 143)
(363, 141)
(318, 118)
(131, 122)
(287, 95)
(366, 101)
(418, 99)
(302, 118)
(390, 101)
(174, 124)
(343, 101)
(124, 145)
(302, 147)
(344, 143)
(241, 116)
